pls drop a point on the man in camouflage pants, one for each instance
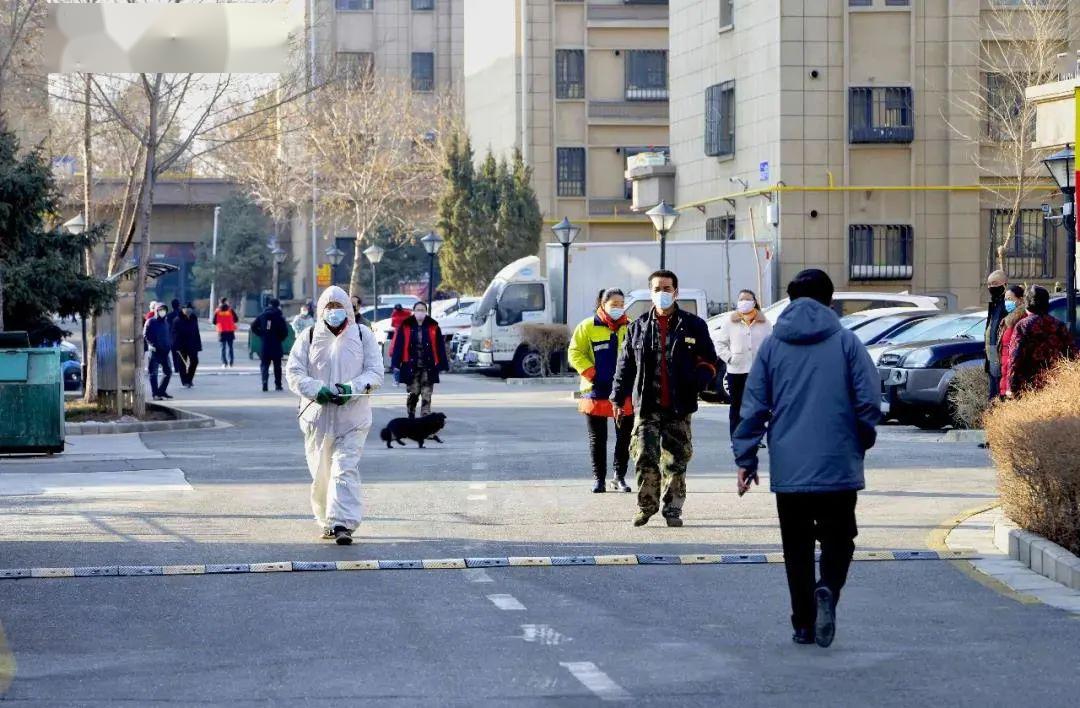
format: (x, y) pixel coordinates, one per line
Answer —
(668, 358)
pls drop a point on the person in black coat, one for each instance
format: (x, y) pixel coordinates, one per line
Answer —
(187, 343)
(272, 329)
(157, 341)
(419, 352)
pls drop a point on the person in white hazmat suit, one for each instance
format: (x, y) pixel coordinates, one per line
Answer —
(333, 365)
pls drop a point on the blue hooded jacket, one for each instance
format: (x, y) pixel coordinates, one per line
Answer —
(816, 388)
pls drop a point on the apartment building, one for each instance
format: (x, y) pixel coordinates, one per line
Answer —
(839, 127)
(579, 87)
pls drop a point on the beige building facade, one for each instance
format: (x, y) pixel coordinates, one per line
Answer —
(579, 87)
(842, 131)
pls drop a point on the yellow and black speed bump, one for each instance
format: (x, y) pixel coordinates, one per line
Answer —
(455, 563)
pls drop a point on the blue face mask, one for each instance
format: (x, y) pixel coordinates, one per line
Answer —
(335, 318)
(1010, 305)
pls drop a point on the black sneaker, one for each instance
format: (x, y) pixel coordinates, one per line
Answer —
(165, 395)
(342, 536)
(825, 624)
(619, 485)
(673, 521)
(598, 486)
(803, 635)
(158, 398)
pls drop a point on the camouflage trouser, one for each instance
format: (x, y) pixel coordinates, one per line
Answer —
(661, 448)
(420, 390)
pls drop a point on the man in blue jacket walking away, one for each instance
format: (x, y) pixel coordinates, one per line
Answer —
(815, 389)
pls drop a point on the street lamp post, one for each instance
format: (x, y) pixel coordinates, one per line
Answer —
(565, 231)
(1062, 167)
(432, 243)
(335, 255)
(213, 258)
(374, 254)
(279, 254)
(75, 226)
(663, 217)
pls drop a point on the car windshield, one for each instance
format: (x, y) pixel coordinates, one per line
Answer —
(487, 302)
(939, 328)
(874, 328)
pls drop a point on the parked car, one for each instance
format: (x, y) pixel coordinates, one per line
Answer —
(847, 303)
(931, 329)
(916, 377)
(872, 326)
(70, 366)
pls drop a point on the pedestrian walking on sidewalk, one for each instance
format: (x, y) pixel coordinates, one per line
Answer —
(815, 389)
(157, 341)
(1039, 342)
(995, 315)
(741, 334)
(594, 353)
(1016, 310)
(272, 330)
(225, 320)
(666, 361)
(331, 369)
(187, 343)
(419, 354)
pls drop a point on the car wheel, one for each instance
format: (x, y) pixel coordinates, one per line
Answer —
(528, 364)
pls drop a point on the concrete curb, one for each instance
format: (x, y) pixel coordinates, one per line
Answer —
(1039, 554)
(182, 420)
(965, 436)
(549, 381)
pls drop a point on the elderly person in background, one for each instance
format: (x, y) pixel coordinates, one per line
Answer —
(1039, 341)
(995, 315)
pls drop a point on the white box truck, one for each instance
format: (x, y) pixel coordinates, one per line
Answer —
(711, 273)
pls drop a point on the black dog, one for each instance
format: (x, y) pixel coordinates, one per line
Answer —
(418, 429)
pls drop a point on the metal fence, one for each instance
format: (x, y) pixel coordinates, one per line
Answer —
(1032, 249)
(570, 166)
(881, 252)
(881, 114)
(569, 73)
(646, 75)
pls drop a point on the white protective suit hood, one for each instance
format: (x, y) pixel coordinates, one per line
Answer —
(351, 357)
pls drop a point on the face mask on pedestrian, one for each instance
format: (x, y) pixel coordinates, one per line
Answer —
(335, 317)
(161, 313)
(615, 313)
(996, 291)
(1010, 305)
(663, 300)
(745, 307)
(187, 312)
(420, 314)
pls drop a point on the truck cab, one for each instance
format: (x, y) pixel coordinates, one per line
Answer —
(517, 295)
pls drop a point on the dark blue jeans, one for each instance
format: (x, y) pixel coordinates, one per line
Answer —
(227, 348)
(160, 359)
(995, 387)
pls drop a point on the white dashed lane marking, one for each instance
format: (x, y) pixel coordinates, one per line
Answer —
(477, 575)
(506, 602)
(596, 680)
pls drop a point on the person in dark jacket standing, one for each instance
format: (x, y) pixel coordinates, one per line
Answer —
(1039, 341)
(273, 330)
(157, 340)
(187, 343)
(816, 390)
(995, 316)
(666, 361)
(419, 353)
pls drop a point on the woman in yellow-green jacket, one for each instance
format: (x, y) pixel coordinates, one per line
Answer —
(594, 352)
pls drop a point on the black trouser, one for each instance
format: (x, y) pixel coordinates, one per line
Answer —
(828, 517)
(159, 359)
(227, 339)
(264, 369)
(597, 426)
(187, 362)
(736, 385)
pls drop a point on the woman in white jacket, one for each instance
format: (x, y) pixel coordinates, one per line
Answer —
(332, 368)
(737, 343)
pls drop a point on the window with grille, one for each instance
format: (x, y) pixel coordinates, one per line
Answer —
(571, 172)
(727, 13)
(720, 228)
(881, 251)
(628, 152)
(859, 3)
(720, 119)
(423, 4)
(1004, 108)
(646, 75)
(423, 71)
(1031, 251)
(881, 114)
(355, 69)
(570, 73)
(353, 5)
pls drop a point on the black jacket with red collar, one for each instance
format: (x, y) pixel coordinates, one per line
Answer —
(417, 347)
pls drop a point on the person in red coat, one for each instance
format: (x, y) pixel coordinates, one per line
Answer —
(419, 353)
(1014, 306)
(1039, 342)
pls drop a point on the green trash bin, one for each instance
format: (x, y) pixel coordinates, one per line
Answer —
(32, 398)
(255, 344)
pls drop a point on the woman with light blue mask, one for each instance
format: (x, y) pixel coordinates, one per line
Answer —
(334, 368)
(1015, 311)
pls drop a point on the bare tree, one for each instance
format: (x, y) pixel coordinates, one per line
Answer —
(1020, 44)
(376, 152)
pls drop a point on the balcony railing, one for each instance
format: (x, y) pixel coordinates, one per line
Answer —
(881, 252)
(613, 206)
(881, 114)
(604, 14)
